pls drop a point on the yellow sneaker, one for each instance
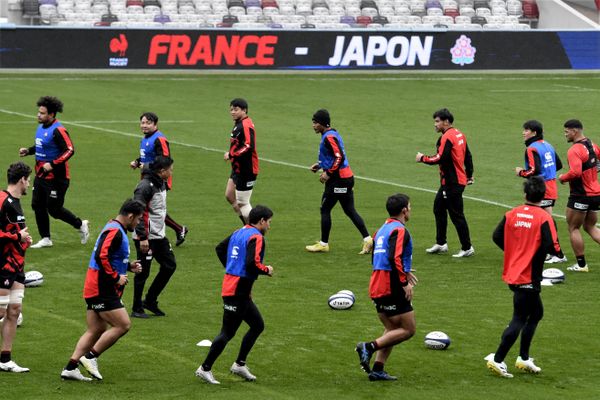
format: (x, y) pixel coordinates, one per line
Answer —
(318, 248)
(367, 247)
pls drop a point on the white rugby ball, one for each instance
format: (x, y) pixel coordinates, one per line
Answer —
(340, 301)
(348, 292)
(33, 278)
(437, 340)
(554, 275)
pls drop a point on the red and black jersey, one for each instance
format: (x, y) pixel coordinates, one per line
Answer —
(242, 149)
(453, 157)
(583, 169)
(108, 261)
(53, 145)
(12, 221)
(526, 234)
(242, 255)
(534, 165)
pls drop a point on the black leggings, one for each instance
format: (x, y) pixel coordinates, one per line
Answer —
(449, 201)
(47, 199)
(330, 199)
(236, 311)
(162, 252)
(528, 311)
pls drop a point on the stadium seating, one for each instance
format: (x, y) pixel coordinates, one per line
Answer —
(286, 14)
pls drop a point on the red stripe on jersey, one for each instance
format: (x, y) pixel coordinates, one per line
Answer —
(258, 250)
(230, 283)
(70, 149)
(103, 253)
(164, 146)
(399, 251)
(336, 153)
(530, 152)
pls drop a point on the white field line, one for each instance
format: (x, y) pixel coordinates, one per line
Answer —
(296, 75)
(277, 162)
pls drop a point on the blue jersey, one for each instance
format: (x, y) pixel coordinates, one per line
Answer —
(392, 260)
(119, 259)
(148, 149)
(547, 159)
(236, 253)
(329, 156)
(46, 148)
(381, 253)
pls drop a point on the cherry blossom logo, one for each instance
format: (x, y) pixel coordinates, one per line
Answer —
(462, 52)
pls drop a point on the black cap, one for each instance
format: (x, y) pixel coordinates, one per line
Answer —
(322, 117)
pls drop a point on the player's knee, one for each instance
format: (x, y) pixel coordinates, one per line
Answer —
(258, 327)
(4, 300)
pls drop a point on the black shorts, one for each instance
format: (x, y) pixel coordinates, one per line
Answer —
(547, 203)
(7, 278)
(393, 305)
(339, 187)
(243, 182)
(49, 193)
(98, 304)
(584, 203)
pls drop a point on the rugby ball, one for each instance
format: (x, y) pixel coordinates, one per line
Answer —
(437, 340)
(33, 278)
(349, 293)
(554, 275)
(341, 301)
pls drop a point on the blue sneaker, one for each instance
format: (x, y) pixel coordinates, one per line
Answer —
(381, 376)
(364, 356)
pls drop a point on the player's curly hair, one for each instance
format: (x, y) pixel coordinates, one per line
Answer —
(52, 104)
(16, 171)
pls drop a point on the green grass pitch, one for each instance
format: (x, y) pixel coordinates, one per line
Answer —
(307, 350)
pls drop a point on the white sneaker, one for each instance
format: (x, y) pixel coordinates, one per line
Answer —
(577, 268)
(84, 231)
(91, 365)
(44, 242)
(74, 375)
(527, 365)
(438, 248)
(243, 371)
(464, 253)
(555, 260)
(206, 376)
(12, 366)
(497, 368)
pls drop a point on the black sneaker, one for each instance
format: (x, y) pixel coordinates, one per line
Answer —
(154, 308)
(381, 376)
(181, 236)
(139, 314)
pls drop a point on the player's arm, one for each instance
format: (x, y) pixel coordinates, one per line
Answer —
(444, 153)
(63, 140)
(575, 164)
(245, 144)
(143, 194)
(109, 243)
(498, 235)
(559, 163)
(161, 147)
(221, 250)
(468, 164)
(332, 144)
(534, 161)
(254, 249)
(550, 238)
(27, 151)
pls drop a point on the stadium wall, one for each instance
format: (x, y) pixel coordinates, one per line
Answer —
(53, 48)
